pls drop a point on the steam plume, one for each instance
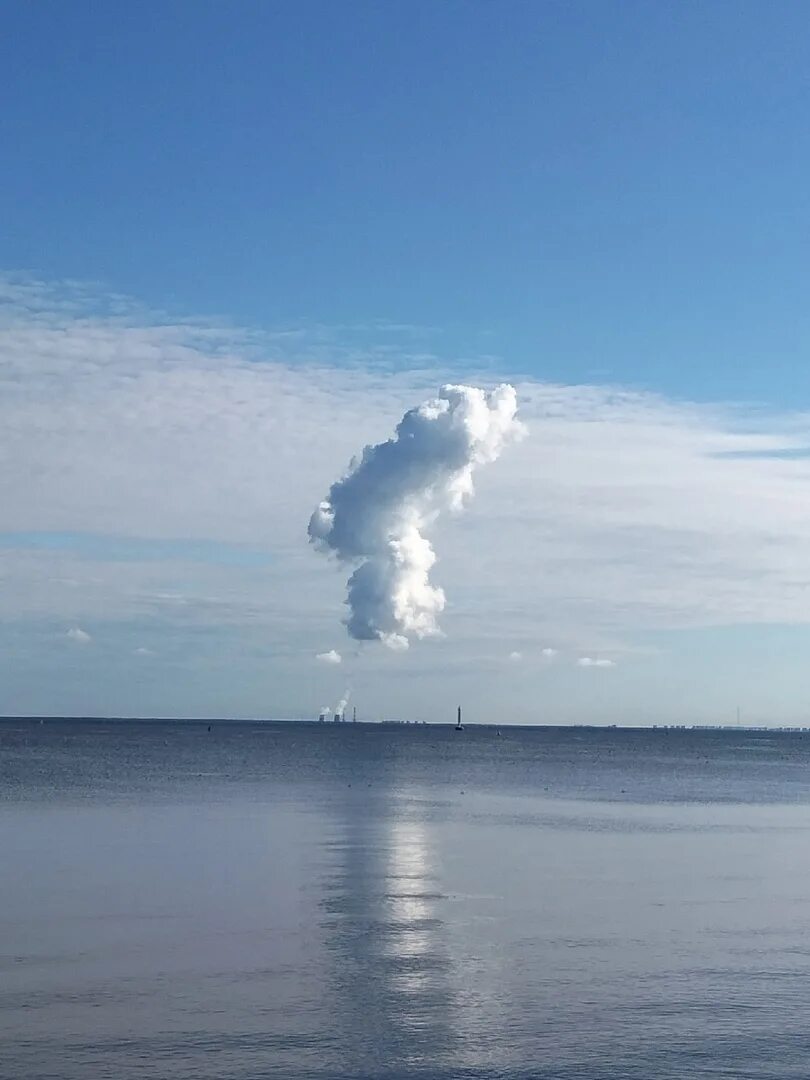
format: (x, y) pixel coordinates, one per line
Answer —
(375, 516)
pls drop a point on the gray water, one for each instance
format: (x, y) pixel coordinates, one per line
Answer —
(269, 900)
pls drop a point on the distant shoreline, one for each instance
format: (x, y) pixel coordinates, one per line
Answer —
(398, 724)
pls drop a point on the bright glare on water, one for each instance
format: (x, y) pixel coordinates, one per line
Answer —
(297, 901)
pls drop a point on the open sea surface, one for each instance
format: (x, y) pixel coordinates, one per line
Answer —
(335, 901)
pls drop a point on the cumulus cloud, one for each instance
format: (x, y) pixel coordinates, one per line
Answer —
(81, 637)
(589, 661)
(331, 657)
(548, 653)
(376, 516)
(515, 657)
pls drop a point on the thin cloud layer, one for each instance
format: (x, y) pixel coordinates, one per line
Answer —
(622, 512)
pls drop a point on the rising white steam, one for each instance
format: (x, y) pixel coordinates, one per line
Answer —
(376, 515)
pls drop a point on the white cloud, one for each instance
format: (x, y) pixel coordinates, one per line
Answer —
(81, 637)
(331, 657)
(143, 651)
(377, 515)
(621, 513)
(516, 656)
(548, 653)
(588, 661)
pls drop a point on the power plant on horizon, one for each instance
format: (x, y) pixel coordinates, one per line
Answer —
(339, 717)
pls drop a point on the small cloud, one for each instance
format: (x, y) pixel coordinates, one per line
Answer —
(143, 651)
(587, 661)
(81, 637)
(515, 657)
(395, 642)
(548, 653)
(331, 657)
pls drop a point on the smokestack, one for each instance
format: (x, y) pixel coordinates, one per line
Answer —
(459, 716)
(375, 517)
(354, 714)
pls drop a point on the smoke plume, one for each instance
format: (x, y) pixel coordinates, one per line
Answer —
(377, 514)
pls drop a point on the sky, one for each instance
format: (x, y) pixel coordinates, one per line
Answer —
(240, 241)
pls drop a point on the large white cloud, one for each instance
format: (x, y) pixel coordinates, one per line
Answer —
(376, 515)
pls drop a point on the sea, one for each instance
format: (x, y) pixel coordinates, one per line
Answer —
(236, 900)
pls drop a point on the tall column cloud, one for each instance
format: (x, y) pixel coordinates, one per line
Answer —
(375, 517)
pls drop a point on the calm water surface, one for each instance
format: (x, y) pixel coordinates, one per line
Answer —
(269, 900)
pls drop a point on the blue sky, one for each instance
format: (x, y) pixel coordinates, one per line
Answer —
(569, 193)
(576, 187)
